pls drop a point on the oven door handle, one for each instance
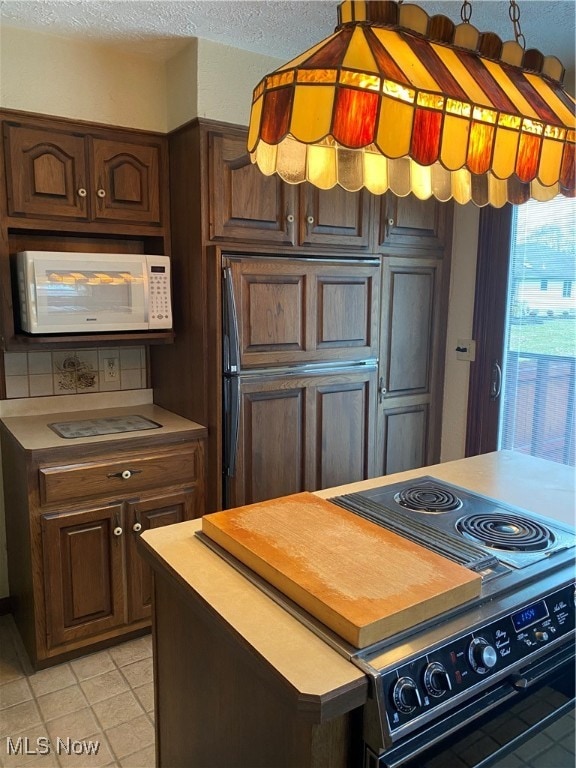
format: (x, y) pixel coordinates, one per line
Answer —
(540, 670)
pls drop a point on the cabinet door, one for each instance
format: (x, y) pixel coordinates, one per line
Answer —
(246, 205)
(126, 181)
(83, 573)
(334, 217)
(300, 432)
(303, 311)
(410, 397)
(142, 516)
(46, 173)
(418, 225)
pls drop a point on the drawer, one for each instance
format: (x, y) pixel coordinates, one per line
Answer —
(119, 477)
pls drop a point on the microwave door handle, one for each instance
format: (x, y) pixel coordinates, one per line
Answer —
(231, 346)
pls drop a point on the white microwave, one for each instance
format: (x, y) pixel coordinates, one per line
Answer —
(93, 292)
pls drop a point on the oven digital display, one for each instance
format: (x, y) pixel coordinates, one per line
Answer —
(529, 615)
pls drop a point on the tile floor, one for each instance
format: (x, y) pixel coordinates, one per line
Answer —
(107, 698)
(62, 712)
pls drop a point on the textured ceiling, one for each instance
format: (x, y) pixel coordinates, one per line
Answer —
(281, 29)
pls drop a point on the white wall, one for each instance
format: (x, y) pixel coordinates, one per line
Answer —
(85, 81)
(56, 76)
(460, 316)
(226, 80)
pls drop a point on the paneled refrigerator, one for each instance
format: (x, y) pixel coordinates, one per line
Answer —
(300, 374)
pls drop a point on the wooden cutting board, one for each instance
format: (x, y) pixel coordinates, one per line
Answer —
(362, 581)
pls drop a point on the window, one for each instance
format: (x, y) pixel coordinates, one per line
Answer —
(539, 360)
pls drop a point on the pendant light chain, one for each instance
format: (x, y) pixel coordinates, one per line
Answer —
(466, 12)
(514, 13)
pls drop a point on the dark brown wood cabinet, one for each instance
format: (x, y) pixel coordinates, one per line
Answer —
(415, 227)
(142, 516)
(334, 218)
(83, 571)
(243, 203)
(411, 364)
(72, 526)
(223, 208)
(46, 173)
(66, 175)
(74, 186)
(247, 206)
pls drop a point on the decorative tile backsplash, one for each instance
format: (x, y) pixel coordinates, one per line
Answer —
(75, 371)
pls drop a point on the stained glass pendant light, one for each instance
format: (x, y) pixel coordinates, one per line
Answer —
(397, 100)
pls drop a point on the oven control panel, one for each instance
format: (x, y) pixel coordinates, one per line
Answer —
(432, 678)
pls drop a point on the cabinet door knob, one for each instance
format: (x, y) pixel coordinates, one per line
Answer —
(118, 531)
(310, 219)
(82, 192)
(126, 474)
(290, 218)
(101, 192)
(381, 389)
(137, 527)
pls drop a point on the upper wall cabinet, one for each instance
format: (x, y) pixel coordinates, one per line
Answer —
(75, 186)
(334, 217)
(247, 206)
(81, 177)
(408, 223)
(243, 203)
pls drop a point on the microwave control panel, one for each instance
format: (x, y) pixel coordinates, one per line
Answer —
(160, 310)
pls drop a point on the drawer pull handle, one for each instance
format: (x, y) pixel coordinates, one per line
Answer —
(118, 531)
(137, 527)
(125, 474)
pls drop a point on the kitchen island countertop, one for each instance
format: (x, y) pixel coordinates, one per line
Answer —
(306, 663)
(313, 680)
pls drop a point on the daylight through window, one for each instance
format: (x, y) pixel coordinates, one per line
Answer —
(539, 380)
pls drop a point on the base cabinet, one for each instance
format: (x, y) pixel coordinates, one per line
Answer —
(93, 574)
(76, 577)
(83, 567)
(142, 516)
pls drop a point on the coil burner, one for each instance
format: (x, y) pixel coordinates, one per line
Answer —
(513, 532)
(428, 498)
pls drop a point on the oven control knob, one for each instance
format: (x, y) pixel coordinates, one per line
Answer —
(541, 635)
(436, 679)
(405, 695)
(481, 655)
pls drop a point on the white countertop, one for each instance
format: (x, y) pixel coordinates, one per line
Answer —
(33, 432)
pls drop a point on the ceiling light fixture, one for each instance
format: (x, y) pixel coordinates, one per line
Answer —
(398, 100)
